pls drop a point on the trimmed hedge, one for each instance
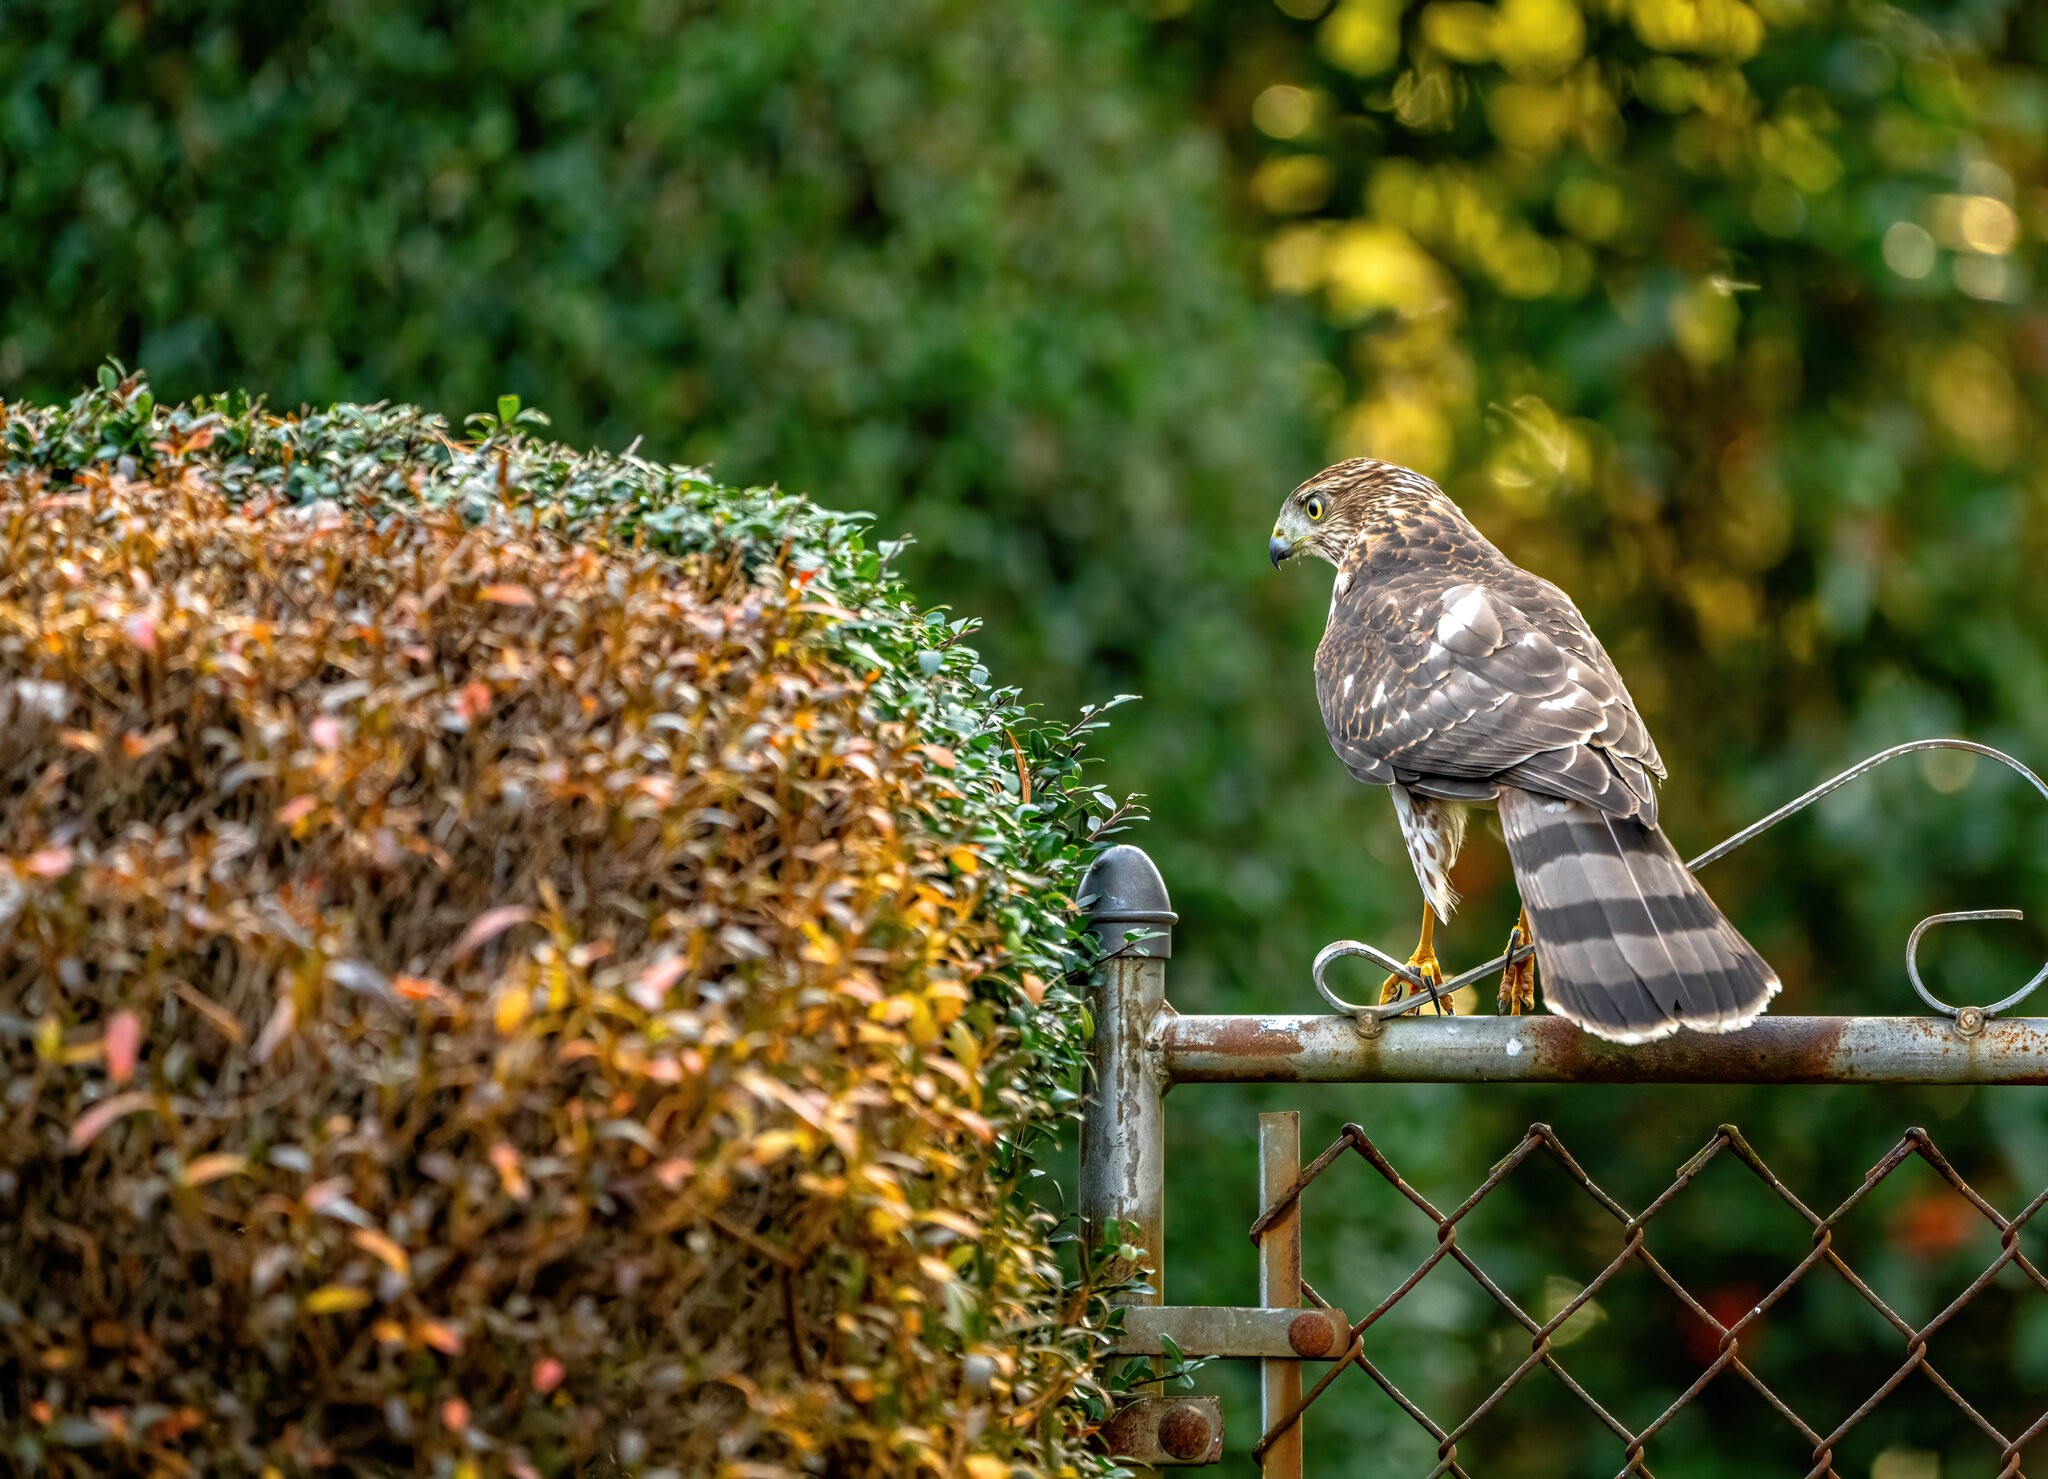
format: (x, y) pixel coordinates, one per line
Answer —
(511, 961)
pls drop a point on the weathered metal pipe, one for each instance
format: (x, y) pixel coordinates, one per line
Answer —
(1546, 1049)
(1123, 1126)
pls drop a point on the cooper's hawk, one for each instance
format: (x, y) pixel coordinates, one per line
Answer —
(1453, 676)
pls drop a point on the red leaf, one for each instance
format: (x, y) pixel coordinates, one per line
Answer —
(488, 925)
(283, 1018)
(506, 1160)
(124, 1045)
(87, 1127)
(419, 988)
(442, 1337)
(135, 746)
(51, 862)
(650, 988)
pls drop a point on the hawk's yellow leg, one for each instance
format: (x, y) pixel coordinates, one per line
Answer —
(1423, 961)
(1518, 981)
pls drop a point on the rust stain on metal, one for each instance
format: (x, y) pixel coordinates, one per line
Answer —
(1310, 1334)
(1247, 1049)
(1184, 1431)
(1806, 1055)
(1260, 1041)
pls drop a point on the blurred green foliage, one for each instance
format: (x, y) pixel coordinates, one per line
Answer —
(1720, 314)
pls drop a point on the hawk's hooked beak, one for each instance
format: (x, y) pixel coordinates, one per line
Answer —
(1279, 547)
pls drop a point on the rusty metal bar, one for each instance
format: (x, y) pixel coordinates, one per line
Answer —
(1231, 1333)
(1280, 1287)
(1545, 1049)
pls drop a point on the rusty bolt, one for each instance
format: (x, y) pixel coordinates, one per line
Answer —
(1310, 1334)
(1184, 1431)
(1970, 1021)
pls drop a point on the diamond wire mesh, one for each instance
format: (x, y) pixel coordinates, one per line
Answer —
(1726, 1140)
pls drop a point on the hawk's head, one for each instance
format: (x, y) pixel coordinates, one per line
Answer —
(1325, 514)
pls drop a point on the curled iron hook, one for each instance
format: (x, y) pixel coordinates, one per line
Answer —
(1338, 949)
(1374, 1015)
(1913, 963)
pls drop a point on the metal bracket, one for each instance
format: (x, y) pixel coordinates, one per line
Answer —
(1167, 1431)
(1250, 1334)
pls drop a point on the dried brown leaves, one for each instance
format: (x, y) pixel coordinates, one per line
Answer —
(469, 999)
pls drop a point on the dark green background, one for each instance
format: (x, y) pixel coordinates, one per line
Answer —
(1004, 275)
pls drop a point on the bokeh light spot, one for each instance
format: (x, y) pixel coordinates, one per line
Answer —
(1948, 771)
(1592, 210)
(1284, 111)
(1986, 278)
(1460, 29)
(1987, 225)
(1973, 396)
(1539, 38)
(1292, 184)
(1909, 250)
(1703, 321)
(1906, 1463)
(1362, 37)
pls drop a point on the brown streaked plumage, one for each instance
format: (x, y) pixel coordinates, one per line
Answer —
(1453, 676)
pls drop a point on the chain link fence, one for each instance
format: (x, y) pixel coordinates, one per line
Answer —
(1633, 1246)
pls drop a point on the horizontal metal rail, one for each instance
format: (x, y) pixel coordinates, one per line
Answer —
(1775, 1050)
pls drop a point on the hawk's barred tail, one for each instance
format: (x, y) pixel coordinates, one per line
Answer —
(1628, 944)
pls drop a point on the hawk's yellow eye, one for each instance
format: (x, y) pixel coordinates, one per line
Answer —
(1314, 507)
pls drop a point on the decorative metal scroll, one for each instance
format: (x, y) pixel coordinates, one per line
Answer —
(1425, 993)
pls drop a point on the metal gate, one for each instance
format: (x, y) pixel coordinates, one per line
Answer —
(1304, 1342)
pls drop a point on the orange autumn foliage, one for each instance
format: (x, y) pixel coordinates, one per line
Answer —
(479, 995)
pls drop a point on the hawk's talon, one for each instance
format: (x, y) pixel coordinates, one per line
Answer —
(1518, 981)
(1430, 972)
(1423, 962)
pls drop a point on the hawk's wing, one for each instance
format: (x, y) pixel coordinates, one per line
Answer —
(1452, 690)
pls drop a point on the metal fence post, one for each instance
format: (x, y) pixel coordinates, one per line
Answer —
(1123, 1151)
(1280, 1285)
